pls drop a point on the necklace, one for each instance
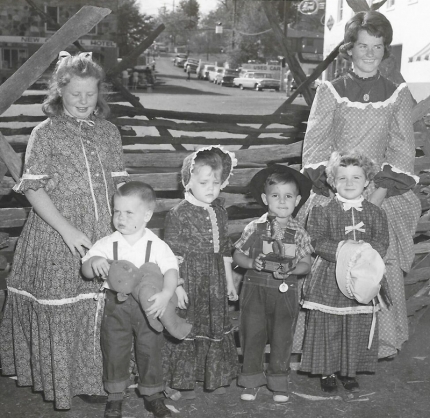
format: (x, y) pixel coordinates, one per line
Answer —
(366, 96)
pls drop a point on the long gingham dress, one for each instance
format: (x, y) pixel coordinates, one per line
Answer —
(338, 329)
(381, 129)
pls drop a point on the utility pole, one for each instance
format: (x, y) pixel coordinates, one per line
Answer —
(234, 25)
(282, 80)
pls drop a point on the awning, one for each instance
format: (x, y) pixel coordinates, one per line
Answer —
(423, 55)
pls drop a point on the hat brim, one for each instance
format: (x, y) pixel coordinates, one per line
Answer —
(345, 261)
(256, 185)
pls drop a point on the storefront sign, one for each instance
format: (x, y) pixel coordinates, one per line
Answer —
(23, 39)
(308, 7)
(97, 42)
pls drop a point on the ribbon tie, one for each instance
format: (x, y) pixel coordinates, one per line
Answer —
(358, 227)
(348, 204)
(89, 122)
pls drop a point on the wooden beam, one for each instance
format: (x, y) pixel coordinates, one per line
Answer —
(292, 115)
(292, 61)
(80, 24)
(10, 158)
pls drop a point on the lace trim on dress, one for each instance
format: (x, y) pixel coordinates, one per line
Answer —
(64, 301)
(314, 166)
(350, 310)
(119, 174)
(397, 170)
(204, 337)
(359, 105)
(30, 177)
(215, 229)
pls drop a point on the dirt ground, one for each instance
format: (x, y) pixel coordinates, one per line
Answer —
(399, 389)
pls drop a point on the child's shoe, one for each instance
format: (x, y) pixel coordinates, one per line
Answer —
(113, 409)
(188, 395)
(329, 384)
(350, 384)
(249, 394)
(218, 391)
(280, 397)
(173, 394)
(157, 407)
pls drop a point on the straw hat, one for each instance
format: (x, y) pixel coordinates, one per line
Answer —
(359, 271)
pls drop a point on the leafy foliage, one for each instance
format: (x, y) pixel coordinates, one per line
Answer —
(133, 26)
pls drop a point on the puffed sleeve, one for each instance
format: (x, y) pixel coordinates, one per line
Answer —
(37, 166)
(397, 174)
(318, 228)
(119, 175)
(318, 139)
(173, 232)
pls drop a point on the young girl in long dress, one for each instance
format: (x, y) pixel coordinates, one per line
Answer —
(339, 328)
(196, 231)
(49, 335)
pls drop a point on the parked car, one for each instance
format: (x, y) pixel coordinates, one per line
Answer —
(226, 77)
(213, 74)
(192, 63)
(179, 60)
(162, 48)
(206, 70)
(200, 68)
(258, 81)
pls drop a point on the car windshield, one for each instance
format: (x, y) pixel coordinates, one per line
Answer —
(268, 75)
(259, 75)
(210, 68)
(230, 72)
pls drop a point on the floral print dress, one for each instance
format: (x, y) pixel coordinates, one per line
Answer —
(197, 233)
(50, 336)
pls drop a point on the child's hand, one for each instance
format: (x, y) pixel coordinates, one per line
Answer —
(160, 300)
(257, 264)
(100, 267)
(231, 292)
(182, 297)
(281, 276)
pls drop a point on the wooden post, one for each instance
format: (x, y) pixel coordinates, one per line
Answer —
(10, 158)
(292, 61)
(80, 24)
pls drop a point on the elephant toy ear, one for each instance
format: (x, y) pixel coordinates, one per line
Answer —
(121, 297)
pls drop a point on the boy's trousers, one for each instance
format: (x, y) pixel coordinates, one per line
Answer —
(267, 316)
(121, 321)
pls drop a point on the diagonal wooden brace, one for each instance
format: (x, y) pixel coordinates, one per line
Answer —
(80, 24)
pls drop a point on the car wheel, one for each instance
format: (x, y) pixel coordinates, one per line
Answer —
(241, 87)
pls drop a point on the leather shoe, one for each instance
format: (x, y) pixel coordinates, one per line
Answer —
(350, 384)
(113, 409)
(329, 384)
(157, 407)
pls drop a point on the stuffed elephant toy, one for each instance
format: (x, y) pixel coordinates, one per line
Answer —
(125, 278)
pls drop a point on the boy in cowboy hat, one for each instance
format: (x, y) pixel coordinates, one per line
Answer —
(269, 300)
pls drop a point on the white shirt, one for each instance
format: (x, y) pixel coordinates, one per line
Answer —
(161, 254)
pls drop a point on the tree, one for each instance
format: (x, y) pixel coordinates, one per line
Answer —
(133, 26)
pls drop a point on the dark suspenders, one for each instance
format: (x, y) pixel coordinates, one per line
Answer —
(147, 255)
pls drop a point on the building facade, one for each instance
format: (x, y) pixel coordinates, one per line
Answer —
(23, 31)
(410, 49)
